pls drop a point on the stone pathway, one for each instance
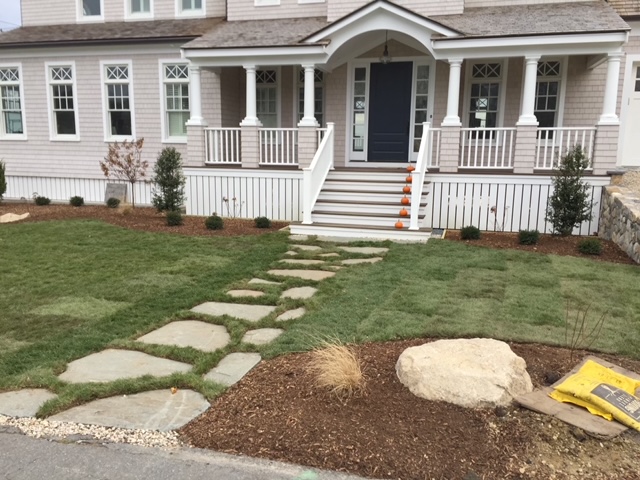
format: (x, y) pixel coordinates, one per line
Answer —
(315, 275)
(295, 261)
(299, 293)
(233, 367)
(190, 333)
(358, 261)
(245, 293)
(291, 314)
(262, 336)
(24, 403)
(250, 313)
(259, 281)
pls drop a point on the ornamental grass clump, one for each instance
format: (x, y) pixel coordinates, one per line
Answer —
(470, 233)
(262, 222)
(76, 201)
(337, 368)
(590, 246)
(174, 218)
(528, 237)
(214, 222)
(41, 201)
(113, 202)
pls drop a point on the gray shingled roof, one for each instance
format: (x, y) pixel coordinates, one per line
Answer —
(626, 8)
(107, 32)
(539, 19)
(259, 33)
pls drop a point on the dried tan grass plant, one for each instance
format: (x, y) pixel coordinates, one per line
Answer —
(336, 367)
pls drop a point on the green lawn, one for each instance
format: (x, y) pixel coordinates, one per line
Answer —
(71, 288)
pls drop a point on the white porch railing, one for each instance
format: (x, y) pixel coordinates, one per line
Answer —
(222, 146)
(315, 174)
(487, 147)
(425, 156)
(435, 135)
(321, 133)
(553, 143)
(278, 146)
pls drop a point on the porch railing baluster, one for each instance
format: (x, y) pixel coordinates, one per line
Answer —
(562, 139)
(487, 148)
(219, 146)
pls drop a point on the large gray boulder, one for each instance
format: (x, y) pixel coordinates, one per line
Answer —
(473, 373)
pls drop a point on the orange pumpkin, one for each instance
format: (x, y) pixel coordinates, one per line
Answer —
(406, 189)
(404, 201)
(404, 212)
(409, 179)
(399, 225)
(410, 168)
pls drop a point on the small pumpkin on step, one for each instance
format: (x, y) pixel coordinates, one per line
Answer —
(399, 225)
(404, 212)
(404, 201)
(409, 179)
(406, 189)
(410, 168)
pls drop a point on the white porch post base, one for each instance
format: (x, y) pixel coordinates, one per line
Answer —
(605, 150)
(196, 155)
(524, 154)
(307, 145)
(250, 146)
(450, 148)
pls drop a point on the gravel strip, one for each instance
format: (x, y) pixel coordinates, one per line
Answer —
(80, 433)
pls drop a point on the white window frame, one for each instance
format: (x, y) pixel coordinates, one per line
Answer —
(108, 137)
(54, 136)
(192, 12)
(129, 14)
(277, 86)
(20, 83)
(501, 94)
(166, 137)
(301, 2)
(351, 153)
(81, 17)
(430, 99)
(299, 86)
(562, 87)
(266, 3)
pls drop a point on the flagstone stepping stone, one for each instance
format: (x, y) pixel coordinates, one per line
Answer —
(308, 248)
(233, 367)
(329, 255)
(155, 410)
(12, 217)
(189, 333)
(24, 403)
(291, 252)
(299, 293)
(259, 281)
(250, 313)
(316, 275)
(262, 336)
(110, 365)
(245, 293)
(302, 262)
(291, 314)
(298, 238)
(365, 250)
(356, 261)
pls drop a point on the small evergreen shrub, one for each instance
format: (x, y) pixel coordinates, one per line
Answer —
(3, 180)
(42, 201)
(528, 237)
(169, 179)
(76, 201)
(590, 246)
(470, 233)
(174, 218)
(214, 222)
(113, 202)
(262, 222)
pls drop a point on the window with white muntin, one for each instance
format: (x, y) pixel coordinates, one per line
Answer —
(190, 8)
(11, 104)
(90, 10)
(484, 94)
(62, 104)
(118, 102)
(267, 98)
(176, 101)
(139, 8)
(548, 93)
(318, 95)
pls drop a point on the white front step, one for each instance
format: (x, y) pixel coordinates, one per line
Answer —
(362, 220)
(369, 209)
(335, 232)
(382, 187)
(356, 196)
(347, 175)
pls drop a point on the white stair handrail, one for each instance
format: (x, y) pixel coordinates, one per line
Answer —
(418, 175)
(315, 174)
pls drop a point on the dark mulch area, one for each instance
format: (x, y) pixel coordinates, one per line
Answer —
(552, 244)
(139, 218)
(276, 412)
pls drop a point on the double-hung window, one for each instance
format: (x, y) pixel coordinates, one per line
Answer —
(318, 96)
(63, 117)
(267, 97)
(176, 100)
(139, 9)
(118, 95)
(11, 104)
(484, 98)
(190, 7)
(548, 93)
(90, 10)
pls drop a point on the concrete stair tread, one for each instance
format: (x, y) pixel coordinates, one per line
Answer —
(381, 204)
(360, 227)
(356, 214)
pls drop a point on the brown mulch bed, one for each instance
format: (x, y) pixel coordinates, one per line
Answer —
(139, 218)
(276, 412)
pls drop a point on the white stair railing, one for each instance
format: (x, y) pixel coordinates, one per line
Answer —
(417, 185)
(315, 174)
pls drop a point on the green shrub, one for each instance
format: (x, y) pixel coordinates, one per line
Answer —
(214, 222)
(528, 237)
(174, 218)
(169, 179)
(3, 180)
(76, 201)
(590, 246)
(470, 233)
(262, 222)
(113, 202)
(42, 200)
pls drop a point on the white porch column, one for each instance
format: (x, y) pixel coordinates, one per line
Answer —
(251, 118)
(609, 116)
(527, 115)
(453, 99)
(309, 119)
(195, 97)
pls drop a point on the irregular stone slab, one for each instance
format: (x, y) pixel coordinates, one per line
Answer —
(245, 293)
(316, 275)
(302, 262)
(357, 261)
(299, 293)
(291, 314)
(333, 254)
(472, 373)
(365, 250)
(259, 281)
(110, 365)
(233, 367)
(189, 333)
(298, 238)
(155, 410)
(335, 267)
(24, 403)
(291, 252)
(308, 248)
(262, 336)
(12, 217)
(250, 313)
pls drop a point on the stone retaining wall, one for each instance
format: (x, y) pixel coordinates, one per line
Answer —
(620, 219)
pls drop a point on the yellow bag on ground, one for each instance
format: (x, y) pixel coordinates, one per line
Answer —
(605, 391)
(567, 398)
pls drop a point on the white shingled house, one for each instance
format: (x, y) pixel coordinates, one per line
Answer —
(311, 110)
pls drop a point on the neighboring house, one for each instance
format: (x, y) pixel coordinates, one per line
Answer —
(482, 95)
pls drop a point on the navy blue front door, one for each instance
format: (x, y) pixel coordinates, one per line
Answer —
(389, 112)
